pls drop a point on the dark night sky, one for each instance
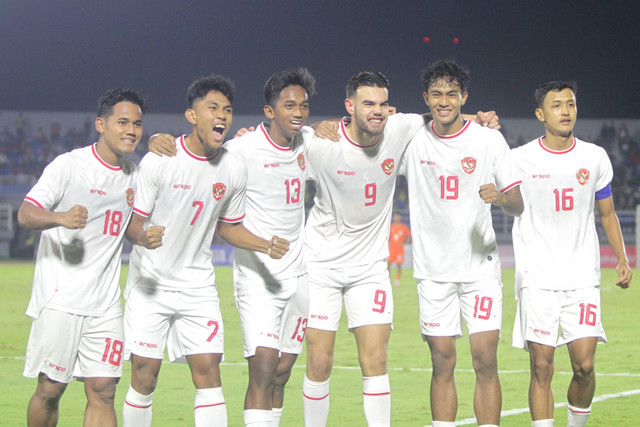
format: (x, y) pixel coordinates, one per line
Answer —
(61, 55)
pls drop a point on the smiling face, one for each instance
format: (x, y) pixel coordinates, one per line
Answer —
(119, 132)
(288, 115)
(369, 109)
(211, 117)
(445, 99)
(558, 112)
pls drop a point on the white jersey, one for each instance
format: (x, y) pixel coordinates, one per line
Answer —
(78, 271)
(349, 223)
(454, 240)
(187, 194)
(275, 203)
(555, 240)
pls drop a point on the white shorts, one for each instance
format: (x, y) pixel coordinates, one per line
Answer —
(367, 296)
(541, 313)
(274, 319)
(441, 305)
(187, 322)
(64, 346)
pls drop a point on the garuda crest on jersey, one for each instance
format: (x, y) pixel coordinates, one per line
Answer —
(583, 176)
(387, 166)
(130, 196)
(218, 190)
(468, 164)
(301, 161)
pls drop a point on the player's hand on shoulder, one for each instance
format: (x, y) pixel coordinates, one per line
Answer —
(163, 144)
(277, 247)
(328, 129)
(625, 275)
(75, 218)
(490, 194)
(243, 131)
(489, 119)
(152, 237)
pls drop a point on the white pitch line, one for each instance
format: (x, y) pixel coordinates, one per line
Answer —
(518, 411)
(352, 368)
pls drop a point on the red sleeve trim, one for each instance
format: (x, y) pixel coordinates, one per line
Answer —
(231, 220)
(509, 187)
(33, 201)
(141, 212)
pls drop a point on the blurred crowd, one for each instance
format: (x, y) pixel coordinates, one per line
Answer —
(24, 152)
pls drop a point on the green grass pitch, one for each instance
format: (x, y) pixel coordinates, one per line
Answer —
(617, 390)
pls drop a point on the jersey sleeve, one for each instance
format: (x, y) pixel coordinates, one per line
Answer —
(148, 184)
(407, 124)
(605, 170)
(52, 185)
(233, 210)
(317, 149)
(504, 172)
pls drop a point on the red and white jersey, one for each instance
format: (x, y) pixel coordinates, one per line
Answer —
(555, 240)
(349, 223)
(188, 195)
(275, 203)
(78, 271)
(454, 239)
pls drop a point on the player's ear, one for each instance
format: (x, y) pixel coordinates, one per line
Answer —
(190, 115)
(100, 125)
(464, 98)
(268, 111)
(539, 114)
(348, 104)
(425, 96)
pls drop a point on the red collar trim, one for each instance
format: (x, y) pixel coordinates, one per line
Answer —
(466, 125)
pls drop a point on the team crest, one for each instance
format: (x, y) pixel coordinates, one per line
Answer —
(469, 165)
(301, 162)
(218, 190)
(387, 166)
(583, 176)
(130, 196)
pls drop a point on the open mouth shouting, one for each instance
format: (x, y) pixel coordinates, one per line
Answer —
(219, 132)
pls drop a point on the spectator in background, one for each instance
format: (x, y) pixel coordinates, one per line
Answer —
(399, 236)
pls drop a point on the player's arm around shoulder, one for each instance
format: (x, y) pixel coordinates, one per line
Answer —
(163, 144)
(611, 226)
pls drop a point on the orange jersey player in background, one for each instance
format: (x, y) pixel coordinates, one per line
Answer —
(399, 235)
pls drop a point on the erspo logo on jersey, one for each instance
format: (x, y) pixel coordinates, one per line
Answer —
(130, 196)
(583, 176)
(387, 166)
(301, 161)
(218, 190)
(469, 164)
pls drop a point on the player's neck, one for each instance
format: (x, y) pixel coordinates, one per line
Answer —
(277, 137)
(359, 137)
(194, 145)
(108, 156)
(445, 129)
(557, 142)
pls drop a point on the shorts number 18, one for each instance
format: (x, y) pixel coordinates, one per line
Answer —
(112, 352)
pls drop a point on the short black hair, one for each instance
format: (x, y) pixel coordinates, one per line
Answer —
(366, 78)
(553, 85)
(279, 81)
(201, 87)
(113, 96)
(448, 71)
